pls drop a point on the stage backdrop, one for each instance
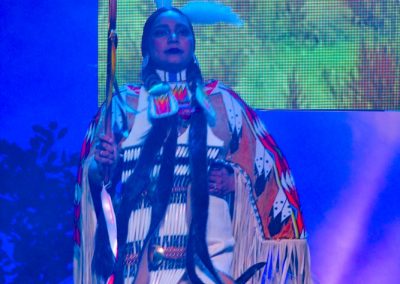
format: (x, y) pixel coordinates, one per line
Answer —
(289, 54)
(346, 164)
(346, 167)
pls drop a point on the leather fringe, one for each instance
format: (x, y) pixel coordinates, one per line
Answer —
(287, 260)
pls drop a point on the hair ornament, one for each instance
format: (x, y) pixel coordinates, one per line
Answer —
(163, 3)
(209, 13)
(162, 102)
(205, 13)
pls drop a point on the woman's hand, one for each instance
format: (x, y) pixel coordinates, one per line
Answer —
(220, 179)
(106, 151)
(106, 154)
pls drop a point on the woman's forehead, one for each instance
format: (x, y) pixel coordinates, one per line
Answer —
(169, 17)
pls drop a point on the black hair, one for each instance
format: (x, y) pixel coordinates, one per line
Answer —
(164, 134)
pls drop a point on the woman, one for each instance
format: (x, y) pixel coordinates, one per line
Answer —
(199, 189)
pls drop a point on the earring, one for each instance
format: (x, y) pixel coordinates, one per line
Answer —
(145, 61)
(195, 61)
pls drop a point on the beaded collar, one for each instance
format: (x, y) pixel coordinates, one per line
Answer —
(172, 77)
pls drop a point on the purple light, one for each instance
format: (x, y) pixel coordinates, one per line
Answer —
(376, 141)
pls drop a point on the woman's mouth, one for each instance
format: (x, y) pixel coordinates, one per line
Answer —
(174, 51)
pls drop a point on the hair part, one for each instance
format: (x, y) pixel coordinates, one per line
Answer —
(149, 24)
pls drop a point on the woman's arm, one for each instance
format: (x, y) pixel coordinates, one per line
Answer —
(267, 221)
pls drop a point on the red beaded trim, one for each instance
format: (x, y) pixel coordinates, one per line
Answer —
(174, 252)
(131, 258)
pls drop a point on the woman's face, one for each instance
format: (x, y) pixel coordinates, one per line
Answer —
(171, 43)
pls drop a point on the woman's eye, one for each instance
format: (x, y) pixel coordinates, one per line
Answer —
(160, 33)
(183, 32)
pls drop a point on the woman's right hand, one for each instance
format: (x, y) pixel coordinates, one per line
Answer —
(106, 153)
(106, 150)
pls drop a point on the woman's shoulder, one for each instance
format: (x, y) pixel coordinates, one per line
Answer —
(215, 88)
(128, 95)
(131, 89)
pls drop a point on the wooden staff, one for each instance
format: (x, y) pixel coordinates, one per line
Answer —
(112, 42)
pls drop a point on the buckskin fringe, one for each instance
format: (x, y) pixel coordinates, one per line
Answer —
(286, 259)
(88, 227)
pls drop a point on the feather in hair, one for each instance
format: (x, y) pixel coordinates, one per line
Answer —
(201, 12)
(163, 3)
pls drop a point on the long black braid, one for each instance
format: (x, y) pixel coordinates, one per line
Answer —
(199, 197)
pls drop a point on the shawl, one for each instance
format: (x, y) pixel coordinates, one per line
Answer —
(267, 221)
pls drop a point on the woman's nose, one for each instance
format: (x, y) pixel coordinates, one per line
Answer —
(173, 37)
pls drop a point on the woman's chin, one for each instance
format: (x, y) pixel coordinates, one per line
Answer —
(173, 67)
(172, 63)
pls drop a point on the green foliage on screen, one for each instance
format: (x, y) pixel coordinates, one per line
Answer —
(290, 54)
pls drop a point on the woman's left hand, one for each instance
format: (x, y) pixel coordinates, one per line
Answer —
(220, 180)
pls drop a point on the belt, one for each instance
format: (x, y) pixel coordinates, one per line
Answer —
(159, 255)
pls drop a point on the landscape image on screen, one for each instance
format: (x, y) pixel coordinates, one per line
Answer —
(288, 54)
